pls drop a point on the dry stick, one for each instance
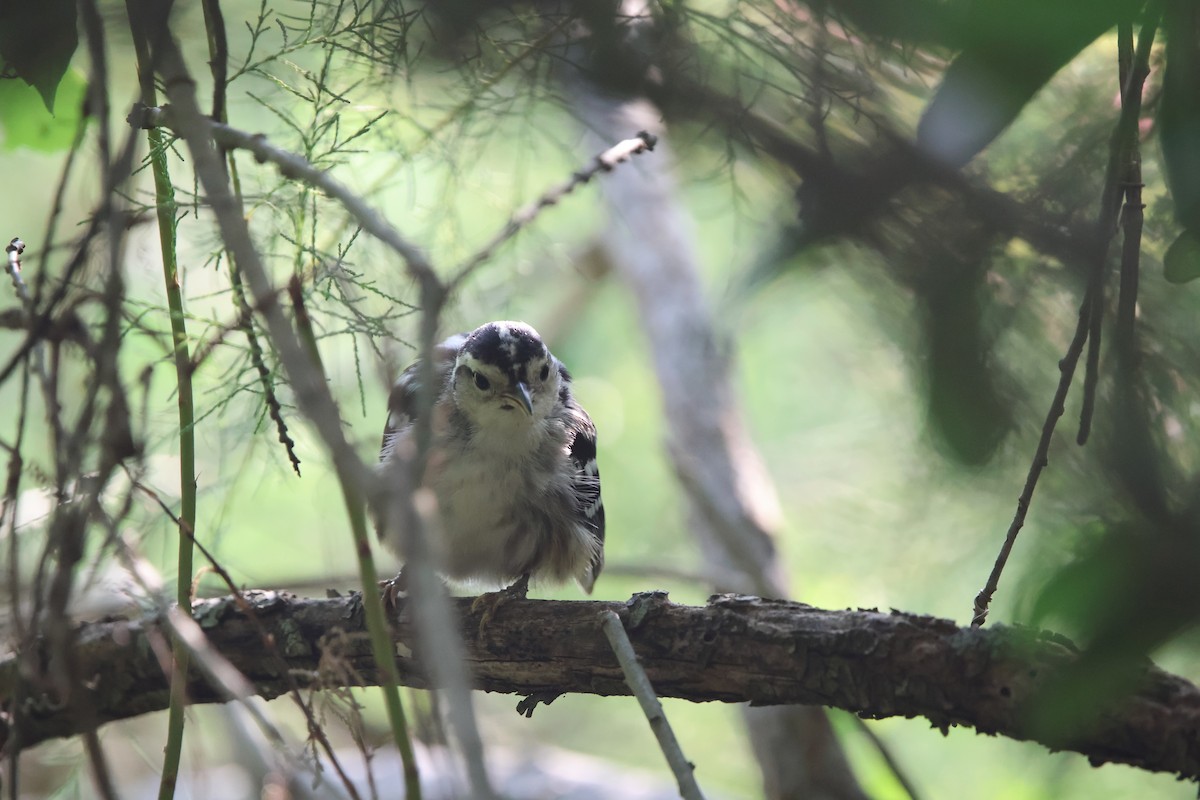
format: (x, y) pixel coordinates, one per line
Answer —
(1135, 76)
(446, 656)
(1040, 458)
(69, 542)
(14, 250)
(38, 353)
(8, 518)
(734, 649)
(1124, 139)
(218, 50)
(604, 162)
(1132, 70)
(639, 684)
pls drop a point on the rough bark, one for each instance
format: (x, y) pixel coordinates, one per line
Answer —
(735, 649)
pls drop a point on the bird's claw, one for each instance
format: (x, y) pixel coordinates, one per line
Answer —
(391, 590)
(491, 602)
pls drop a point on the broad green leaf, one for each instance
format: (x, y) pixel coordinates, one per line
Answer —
(1013, 47)
(1179, 118)
(26, 122)
(37, 40)
(1182, 260)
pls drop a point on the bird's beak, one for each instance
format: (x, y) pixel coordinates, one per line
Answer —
(520, 395)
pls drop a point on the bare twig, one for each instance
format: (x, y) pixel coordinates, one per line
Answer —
(38, 352)
(66, 533)
(444, 653)
(1124, 143)
(1133, 67)
(604, 162)
(1041, 458)
(1134, 77)
(218, 51)
(639, 684)
(889, 758)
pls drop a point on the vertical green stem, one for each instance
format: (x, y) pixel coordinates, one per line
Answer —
(165, 200)
(381, 641)
(164, 194)
(377, 627)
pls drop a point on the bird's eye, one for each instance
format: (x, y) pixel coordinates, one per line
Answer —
(481, 382)
(545, 373)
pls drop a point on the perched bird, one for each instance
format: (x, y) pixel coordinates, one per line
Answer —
(512, 461)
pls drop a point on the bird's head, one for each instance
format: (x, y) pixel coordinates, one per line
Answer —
(505, 376)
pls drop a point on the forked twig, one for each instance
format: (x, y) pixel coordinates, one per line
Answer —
(1133, 68)
(1124, 144)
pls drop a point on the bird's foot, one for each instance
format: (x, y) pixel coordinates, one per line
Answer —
(391, 590)
(491, 602)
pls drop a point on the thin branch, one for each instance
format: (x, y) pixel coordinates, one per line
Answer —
(897, 769)
(14, 249)
(1041, 458)
(639, 684)
(218, 51)
(1124, 143)
(1133, 67)
(734, 649)
(604, 162)
(1131, 182)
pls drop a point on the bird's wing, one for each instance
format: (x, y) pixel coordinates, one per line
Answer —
(403, 402)
(586, 480)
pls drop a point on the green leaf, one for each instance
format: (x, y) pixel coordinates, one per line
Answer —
(1179, 116)
(37, 40)
(1182, 260)
(1013, 47)
(26, 122)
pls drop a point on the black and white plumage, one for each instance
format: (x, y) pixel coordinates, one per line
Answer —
(512, 460)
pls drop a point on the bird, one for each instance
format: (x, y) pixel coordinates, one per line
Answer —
(511, 461)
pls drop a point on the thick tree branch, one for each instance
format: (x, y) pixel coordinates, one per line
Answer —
(735, 649)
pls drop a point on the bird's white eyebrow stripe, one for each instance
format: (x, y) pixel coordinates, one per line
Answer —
(470, 362)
